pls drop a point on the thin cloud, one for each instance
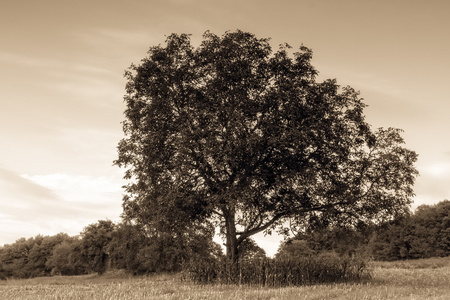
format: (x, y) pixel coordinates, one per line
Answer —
(36, 208)
(14, 183)
(74, 188)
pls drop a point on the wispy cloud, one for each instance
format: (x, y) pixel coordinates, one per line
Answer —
(28, 189)
(80, 188)
(48, 204)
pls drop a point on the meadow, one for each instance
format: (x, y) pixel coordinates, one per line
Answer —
(417, 279)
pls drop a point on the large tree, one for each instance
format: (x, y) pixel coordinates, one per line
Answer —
(235, 133)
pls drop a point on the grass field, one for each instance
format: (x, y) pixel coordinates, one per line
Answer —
(421, 279)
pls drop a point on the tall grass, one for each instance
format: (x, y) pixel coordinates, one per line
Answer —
(425, 263)
(389, 282)
(308, 270)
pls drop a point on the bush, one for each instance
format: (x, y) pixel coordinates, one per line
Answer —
(305, 270)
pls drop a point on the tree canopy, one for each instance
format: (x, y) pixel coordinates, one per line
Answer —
(234, 133)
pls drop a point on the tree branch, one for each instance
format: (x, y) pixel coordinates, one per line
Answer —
(246, 233)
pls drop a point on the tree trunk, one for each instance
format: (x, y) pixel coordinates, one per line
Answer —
(231, 244)
(232, 249)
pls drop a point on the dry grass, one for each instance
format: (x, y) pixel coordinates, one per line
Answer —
(428, 263)
(406, 280)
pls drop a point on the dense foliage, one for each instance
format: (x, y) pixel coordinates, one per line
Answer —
(244, 137)
(32, 257)
(105, 245)
(102, 246)
(423, 234)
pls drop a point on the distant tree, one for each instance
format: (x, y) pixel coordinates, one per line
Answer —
(344, 240)
(28, 257)
(77, 260)
(391, 241)
(232, 133)
(126, 242)
(42, 251)
(432, 224)
(3, 273)
(95, 240)
(162, 254)
(423, 234)
(249, 250)
(65, 258)
(58, 262)
(34, 257)
(14, 258)
(294, 248)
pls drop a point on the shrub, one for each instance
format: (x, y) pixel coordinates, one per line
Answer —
(305, 270)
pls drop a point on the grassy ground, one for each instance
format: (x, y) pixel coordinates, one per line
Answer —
(421, 279)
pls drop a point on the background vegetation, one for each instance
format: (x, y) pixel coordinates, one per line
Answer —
(422, 234)
(107, 246)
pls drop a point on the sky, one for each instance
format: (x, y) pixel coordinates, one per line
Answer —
(61, 89)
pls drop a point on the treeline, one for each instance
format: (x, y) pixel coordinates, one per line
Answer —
(105, 245)
(137, 250)
(423, 234)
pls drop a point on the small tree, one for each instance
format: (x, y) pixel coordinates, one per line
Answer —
(233, 133)
(95, 239)
(249, 250)
(66, 258)
(293, 249)
(59, 261)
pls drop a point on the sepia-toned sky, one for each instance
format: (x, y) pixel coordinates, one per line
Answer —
(62, 87)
